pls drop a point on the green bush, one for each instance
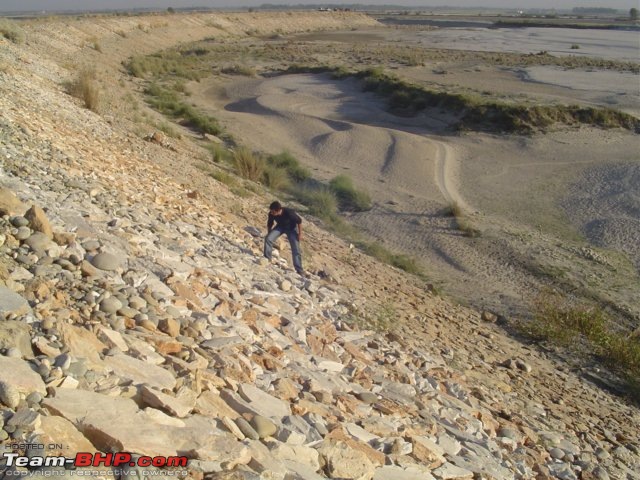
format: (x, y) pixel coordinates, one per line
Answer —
(321, 202)
(476, 113)
(348, 196)
(248, 164)
(170, 62)
(288, 162)
(168, 102)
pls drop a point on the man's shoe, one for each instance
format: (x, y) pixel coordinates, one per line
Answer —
(302, 273)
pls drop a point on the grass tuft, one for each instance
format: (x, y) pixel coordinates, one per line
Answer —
(348, 196)
(288, 162)
(85, 87)
(321, 202)
(453, 210)
(564, 322)
(240, 70)
(248, 164)
(10, 30)
(168, 102)
(276, 178)
(219, 154)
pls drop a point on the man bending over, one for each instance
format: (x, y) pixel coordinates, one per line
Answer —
(287, 222)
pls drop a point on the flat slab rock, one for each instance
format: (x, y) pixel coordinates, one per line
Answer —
(140, 372)
(11, 302)
(116, 423)
(18, 373)
(392, 472)
(449, 471)
(266, 405)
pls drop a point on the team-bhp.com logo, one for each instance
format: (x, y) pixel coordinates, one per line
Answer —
(85, 459)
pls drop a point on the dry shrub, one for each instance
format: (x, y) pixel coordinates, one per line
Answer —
(85, 87)
(10, 30)
(248, 164)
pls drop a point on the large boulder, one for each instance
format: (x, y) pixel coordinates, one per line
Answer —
(38, 221)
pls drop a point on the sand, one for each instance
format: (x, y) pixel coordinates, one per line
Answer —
(532, 198)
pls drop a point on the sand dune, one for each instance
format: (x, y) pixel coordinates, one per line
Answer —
(336, 128)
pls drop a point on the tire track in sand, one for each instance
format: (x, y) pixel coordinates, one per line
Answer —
(446, 165)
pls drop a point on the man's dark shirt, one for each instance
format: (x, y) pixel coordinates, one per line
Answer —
(285, 222)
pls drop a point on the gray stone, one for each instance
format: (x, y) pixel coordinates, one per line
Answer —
(38, 242)
(246, 429)
(9, 395)
(34, 398)
(263, 426)
(137, 302)
(367, 397)
(110, 305)
(106, 261)
(26, 418)
(12, 303)
(91, 245)
(562, 471)
(23, 233)
(19, 221)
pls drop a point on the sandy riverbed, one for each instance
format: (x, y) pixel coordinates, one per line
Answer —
(529, 196)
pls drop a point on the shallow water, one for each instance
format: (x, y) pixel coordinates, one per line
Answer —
(609, 44)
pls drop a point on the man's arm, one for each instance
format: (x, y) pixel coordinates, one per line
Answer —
(296, 218)
(269, 223)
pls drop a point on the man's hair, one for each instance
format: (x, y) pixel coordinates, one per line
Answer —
(275, 206)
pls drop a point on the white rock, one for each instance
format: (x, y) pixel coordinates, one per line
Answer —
(398, 473)
(18, 374)
(449, 471)
(263, 403)
(140, 372)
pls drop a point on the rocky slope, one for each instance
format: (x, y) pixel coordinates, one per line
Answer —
(139, 316)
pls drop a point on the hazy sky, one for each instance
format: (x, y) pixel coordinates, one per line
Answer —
(50, 5)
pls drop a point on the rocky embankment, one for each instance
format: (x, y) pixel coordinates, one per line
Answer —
(137, 315)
